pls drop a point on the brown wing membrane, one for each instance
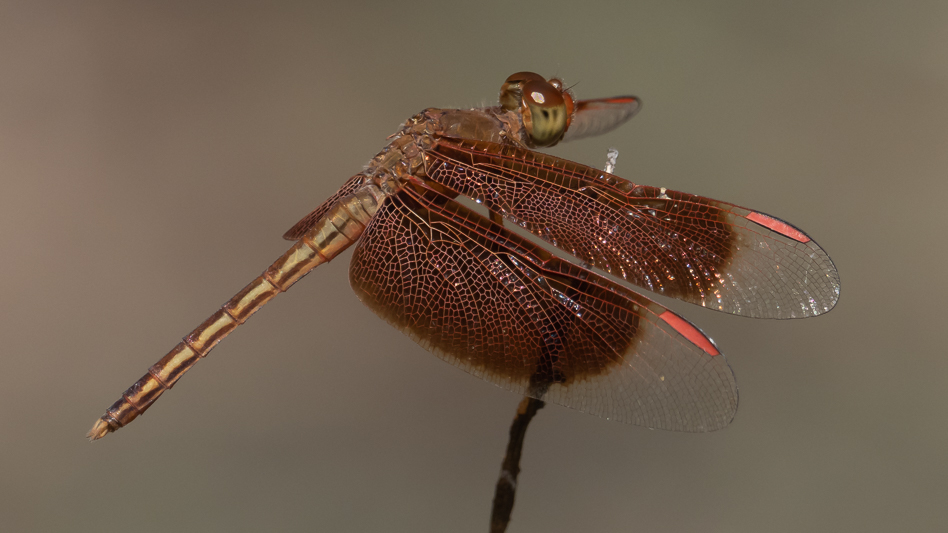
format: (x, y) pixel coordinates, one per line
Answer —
(505, 310)
(595, 117)
(309, 221)
(699, 250)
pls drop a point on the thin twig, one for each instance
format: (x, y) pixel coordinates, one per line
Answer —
(506, 488)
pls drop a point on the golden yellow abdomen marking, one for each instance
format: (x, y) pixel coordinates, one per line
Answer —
(342, 225)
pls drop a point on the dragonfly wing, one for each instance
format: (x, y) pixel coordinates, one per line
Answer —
(595, 117)
(503, 309)
(696, 249)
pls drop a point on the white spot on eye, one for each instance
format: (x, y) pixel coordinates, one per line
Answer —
(537, 97)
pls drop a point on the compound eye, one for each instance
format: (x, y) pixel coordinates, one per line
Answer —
(511, 91)
(545, 112)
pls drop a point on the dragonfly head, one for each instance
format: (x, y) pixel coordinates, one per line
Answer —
(545, 107)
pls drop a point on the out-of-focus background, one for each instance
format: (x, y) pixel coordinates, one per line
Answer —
(152, 155)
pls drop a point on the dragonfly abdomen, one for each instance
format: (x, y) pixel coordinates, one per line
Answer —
(342, 225)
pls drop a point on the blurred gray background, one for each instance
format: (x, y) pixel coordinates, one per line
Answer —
(153, 153)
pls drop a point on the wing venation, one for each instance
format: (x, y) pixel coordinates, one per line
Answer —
(505, 310)
(707, 252)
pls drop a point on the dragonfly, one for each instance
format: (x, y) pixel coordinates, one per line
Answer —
(562, 327)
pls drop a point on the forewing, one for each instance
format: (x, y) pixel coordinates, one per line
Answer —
(595, 117)
(696, 249)
(505, 310)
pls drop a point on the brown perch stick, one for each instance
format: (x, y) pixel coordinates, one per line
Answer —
(506, 488)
